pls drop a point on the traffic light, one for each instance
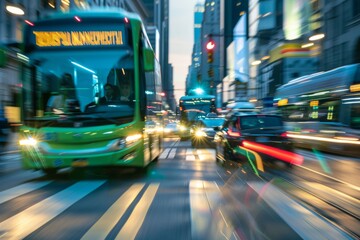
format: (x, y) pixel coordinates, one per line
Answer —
(210, 72)
(210, 46)
(210, 57)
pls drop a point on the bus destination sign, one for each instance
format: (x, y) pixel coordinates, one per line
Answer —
(77, 38)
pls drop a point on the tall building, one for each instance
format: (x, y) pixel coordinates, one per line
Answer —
(277, 32)
(161, 15)
(211, 75)
(234, 26)
(341, 44)
(193, 79)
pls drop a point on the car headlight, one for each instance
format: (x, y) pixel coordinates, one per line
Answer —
(200, 133)
(182, 128)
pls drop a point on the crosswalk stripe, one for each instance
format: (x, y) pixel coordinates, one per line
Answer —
(172, 153)
(206, 154)
(190, 158)
(189, 151)
(27, 221)
(200, 211)
(137, 217)
(20, 190)
(164, 154)
(112, 216)
(207, 219)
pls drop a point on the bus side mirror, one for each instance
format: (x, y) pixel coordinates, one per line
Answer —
(149, 60)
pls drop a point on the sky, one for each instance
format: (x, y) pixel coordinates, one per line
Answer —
(181, 40)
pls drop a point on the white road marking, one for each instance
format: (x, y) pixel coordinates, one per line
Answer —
(206, 154)
(20, 190)
(137, 217)
(164, 154)
(24, 223)
(189, 151)
(172, 153)
(207, 219)
(107, 222)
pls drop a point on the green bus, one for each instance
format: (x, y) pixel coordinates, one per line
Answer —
(88, 80)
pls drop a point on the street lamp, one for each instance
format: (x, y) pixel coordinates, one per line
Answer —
(317, 37)
(15, 9)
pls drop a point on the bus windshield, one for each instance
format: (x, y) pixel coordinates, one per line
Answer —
(77, 82)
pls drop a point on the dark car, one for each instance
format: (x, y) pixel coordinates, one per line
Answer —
(246, 135)
(203, 131)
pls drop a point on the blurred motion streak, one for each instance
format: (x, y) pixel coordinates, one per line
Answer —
(350, 140)
(250, 155)
(322, 161)
(280, 154)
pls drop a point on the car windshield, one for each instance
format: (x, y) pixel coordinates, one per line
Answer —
(253, 122)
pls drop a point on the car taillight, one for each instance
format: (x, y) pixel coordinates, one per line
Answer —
(284, 134)
(233, 134)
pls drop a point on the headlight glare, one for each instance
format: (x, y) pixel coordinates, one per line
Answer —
(28, 142)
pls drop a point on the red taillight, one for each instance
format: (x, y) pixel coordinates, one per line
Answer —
(283, 155)
(233, 134)
(284, 134)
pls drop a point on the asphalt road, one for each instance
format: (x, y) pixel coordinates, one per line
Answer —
(185, 195)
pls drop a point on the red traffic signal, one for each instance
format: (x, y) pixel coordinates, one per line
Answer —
(210, 45)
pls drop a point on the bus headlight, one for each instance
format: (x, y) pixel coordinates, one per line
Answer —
(28, 142)
(133, 138)
(128, 141)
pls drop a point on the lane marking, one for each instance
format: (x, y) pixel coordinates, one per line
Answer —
(172, 153)
(207, 219)
(24, 223)
(20, 190)
(189, 151)
(199, 209)
(164, 154)
(137, 217)
(112, 216)
(190, 154)
(304, 222)
(206, 154)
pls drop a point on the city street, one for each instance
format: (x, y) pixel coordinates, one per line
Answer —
(186, 194)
